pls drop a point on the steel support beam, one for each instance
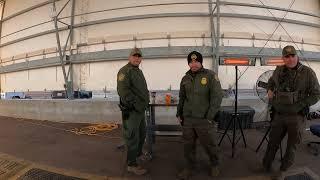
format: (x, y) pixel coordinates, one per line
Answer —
(269, 18)
(62, 52)
(2, 13)
(222, 3)
(111, 20)
(73, 6)
(213, 35)
(28, 10)
(33, 36)
(154, 53)
(217, 50)
(280, 23)
(65, 5)
(226, 3)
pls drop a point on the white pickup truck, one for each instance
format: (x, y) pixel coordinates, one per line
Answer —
(14, 95)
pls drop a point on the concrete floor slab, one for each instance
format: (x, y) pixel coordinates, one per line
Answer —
(52, 145)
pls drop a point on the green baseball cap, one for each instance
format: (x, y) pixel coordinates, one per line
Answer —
(289, 50)
(135, 51)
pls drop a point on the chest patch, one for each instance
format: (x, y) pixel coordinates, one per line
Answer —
(121, 77)
(204, 81)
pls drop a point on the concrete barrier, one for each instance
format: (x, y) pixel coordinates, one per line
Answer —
(98, 110)
(73, 111)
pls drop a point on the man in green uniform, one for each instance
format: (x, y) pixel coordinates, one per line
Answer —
(134, 99)
(292, 88)
(200, 98)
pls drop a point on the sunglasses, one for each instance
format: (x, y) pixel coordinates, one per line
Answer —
(290, 55)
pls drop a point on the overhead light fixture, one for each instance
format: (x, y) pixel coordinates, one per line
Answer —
(237, 61)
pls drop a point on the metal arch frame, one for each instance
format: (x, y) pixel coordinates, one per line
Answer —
(133, 17)
(152, 53)
(215, 40)
(110, 20)
(27, 10)
(222, 3)
(268, 7)
(64, 59)
(14, 58)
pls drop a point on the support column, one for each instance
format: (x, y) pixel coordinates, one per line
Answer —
(215, 33)
(64, 59)
(1, 21)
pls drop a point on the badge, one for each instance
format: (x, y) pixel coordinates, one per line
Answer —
(121, 77)
(216, 77)
(194, 57)
(204, 81)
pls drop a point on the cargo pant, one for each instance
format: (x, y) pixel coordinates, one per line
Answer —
(282, 124)
(134, 133)
(203, 130)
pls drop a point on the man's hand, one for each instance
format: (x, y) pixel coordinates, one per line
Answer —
(179, 119)
(270, 94)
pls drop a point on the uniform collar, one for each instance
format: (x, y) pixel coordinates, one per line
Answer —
(297, 67)
(130, 65)
(194, 73)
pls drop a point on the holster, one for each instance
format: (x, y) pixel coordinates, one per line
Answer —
(182, 120)
(305, 111)
(125, 111)
(272, 113)
(125, 115)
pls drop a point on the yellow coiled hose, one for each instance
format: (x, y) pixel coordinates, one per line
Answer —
(93, 129)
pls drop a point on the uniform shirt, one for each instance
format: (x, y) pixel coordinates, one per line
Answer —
(200, 95)
(132, 88)
(301, 79)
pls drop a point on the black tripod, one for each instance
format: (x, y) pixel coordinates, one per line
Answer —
(235, 119)
(265, 138)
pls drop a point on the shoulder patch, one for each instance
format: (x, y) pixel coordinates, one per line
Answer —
(121, 77)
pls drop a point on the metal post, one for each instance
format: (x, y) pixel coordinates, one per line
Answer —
(235, 115)
(235, 119)
(213, 37)
(71, 42)
(62, 53)
(2, 12)
(55, 20)
(217, 49)
(236, 95)
(236, 110)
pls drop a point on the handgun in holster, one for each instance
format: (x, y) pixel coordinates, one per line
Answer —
(124, 110)
(272, 112)
(305, 111)
(182, 120)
